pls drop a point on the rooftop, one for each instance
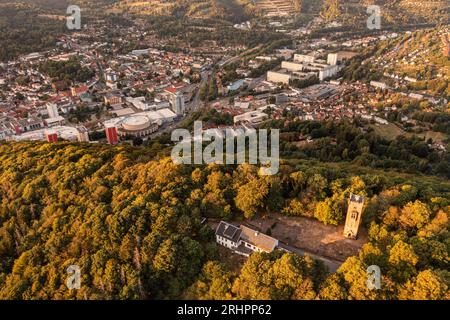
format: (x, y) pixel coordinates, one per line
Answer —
(258, 239)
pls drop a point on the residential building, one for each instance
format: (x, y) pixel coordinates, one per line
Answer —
(278, 77)
(177, 103)
(244, 240)
(380, 85)
(328, 72)
(83, 134)
(304, 58)
(338, 57)
(253, 117)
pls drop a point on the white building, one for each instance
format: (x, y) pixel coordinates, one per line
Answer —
(52, 110)
(139, 103)
(177, 103)
(5, 131)
(336, 58)
(304, 58)
(328, 72)
(253, 117)
(380, 85)
(55, 121)
(291, 66)
(160, 116)
(236, 85)
(83, 134)
(380, 120)
(63, 132)
(140, 52)
(244, 240)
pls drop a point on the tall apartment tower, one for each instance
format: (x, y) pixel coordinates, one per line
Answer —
(177, 101)
(111, 134)
(52, 110)
(51, 136)
(354, 213)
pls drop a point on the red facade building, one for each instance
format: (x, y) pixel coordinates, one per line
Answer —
(51, 136)
(111, 135)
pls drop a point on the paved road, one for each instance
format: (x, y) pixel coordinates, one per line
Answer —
(332, 264)
(197, 102)
(238, 57)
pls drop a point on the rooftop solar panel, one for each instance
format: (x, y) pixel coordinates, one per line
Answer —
(230, 232)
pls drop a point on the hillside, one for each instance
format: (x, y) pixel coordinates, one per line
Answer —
(348, 12)
(26, 28)
(393, 12)
(403, 11)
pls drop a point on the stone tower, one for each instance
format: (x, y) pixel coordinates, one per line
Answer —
(354, 213)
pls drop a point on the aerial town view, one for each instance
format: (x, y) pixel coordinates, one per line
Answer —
(227, 150)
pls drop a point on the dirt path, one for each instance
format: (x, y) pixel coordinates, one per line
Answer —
(308, 236)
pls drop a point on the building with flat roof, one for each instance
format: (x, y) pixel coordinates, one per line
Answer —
(328, 71)
(177, 103)
(113, 99)
(63, 132)
(304, 58)
(354, 213)
(138, 103)
(137, 126)
(26, 125)
(82, 134)
(51, 136)
(380, 85)
(253, 117)
(52, 110)
(141, 124)
(55, 121)
(111, 134)
(278, 77)
(340, 56)
(291, 66)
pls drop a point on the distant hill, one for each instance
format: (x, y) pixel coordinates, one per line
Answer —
(392, 11)
(226, 9)
(347, 12)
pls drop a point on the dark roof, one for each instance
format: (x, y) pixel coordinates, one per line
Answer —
(229, 231)
(356, 198)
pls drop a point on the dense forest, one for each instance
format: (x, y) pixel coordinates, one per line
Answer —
(132, 221)
(25, 30)
(439, 120)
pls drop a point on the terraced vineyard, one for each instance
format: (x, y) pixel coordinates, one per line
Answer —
(277, 7)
